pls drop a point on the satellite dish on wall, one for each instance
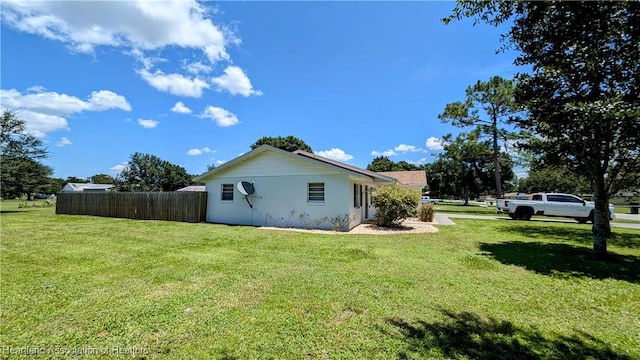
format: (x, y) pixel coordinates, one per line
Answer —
(246, 188)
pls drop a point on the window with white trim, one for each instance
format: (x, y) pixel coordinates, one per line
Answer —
(227, 192)
(315, 192)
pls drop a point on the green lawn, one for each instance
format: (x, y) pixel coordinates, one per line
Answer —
(485, 209)
(454, 208)
(480, 289)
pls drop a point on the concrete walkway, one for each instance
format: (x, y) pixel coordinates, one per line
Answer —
(441, 219)
(444, 217)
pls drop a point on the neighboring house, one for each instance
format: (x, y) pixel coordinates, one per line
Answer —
(194, 188)
(86, 187)
(415, 180)
(291, 189)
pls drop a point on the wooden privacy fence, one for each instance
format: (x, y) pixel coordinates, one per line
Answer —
(173, 206)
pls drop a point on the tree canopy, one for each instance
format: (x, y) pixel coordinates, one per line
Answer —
(465, 168)
(583, 94)
(102, 179)
(22, 173)
(289, 143)
(145, 172)
(384, 163)
(488, 107)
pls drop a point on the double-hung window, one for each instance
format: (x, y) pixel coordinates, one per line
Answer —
(315, 192)
(227, 192)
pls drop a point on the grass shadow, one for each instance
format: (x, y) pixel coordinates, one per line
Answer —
(564, 260)
(576, 233)
(468, 336)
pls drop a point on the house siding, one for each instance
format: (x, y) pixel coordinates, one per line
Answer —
(280, 197)
(281, 183)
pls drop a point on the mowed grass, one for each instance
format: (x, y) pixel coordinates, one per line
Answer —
(480, 289)
(458, 207)
(471, 209)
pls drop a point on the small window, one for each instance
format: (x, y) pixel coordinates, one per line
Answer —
(227, 192)
(355, 196)
(315, 192)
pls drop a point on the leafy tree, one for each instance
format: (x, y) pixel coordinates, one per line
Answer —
(145, 172)
(76, 180)
(488, 107)
(550, 179)
(406, 166)
(394, 204)
(23, 176)
(289, 143)
(102, 179)
(383, 163)
(465, 169)
(54, 186)
(20, 152)
(583, 95)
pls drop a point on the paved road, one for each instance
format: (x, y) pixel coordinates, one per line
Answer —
(446, 216)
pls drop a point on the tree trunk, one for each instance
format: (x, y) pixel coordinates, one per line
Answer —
(496, 160)
(601, 224)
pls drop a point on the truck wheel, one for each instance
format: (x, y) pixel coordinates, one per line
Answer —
(524, 213)
(590, 218)
(582, 220)
(513, 216)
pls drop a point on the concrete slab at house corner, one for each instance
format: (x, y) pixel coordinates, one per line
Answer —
(292, 189)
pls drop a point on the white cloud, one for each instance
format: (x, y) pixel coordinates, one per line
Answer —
(220, 162)
(335, 154)
(421, 161)
(198, 68)
(117, 169)
(403, 148)
(105, 100)
(148, 124)
(36, 88)
(236, 82)
(222, 117)
(180, 108)
(44, 112)
(147, 25)
(142, 29)
(196, 152)
(387, 153)
(400, 149)
(434, 144)
(175, 84)
(64, 142)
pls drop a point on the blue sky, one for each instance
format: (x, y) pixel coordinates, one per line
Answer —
(197, 83)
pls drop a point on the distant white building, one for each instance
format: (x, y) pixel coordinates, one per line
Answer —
(86, 187)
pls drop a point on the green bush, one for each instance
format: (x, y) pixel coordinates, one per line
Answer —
(426, 212)
(394, 204)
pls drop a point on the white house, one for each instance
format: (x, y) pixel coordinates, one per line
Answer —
(86, 187)
(287, 189)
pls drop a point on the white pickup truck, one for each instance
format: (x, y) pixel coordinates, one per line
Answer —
(560, 205)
